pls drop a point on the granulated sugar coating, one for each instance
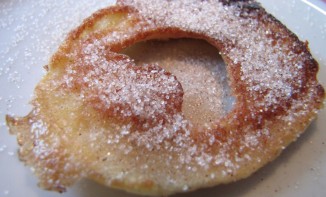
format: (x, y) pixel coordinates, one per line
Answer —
(199, 69)
(158, 127)
(31, 32)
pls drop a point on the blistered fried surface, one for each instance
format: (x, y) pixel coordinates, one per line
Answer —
(98, 114)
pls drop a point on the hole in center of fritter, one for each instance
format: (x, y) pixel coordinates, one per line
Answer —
(200, 70)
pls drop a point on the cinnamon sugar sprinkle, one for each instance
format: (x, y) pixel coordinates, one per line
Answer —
(127, 89)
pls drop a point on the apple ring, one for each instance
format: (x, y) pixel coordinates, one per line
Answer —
(99, 115)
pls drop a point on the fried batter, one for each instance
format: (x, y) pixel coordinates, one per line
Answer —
(99, 115)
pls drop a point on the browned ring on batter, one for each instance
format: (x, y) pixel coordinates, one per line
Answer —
(99, 115)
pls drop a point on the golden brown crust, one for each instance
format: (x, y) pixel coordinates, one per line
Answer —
(99, 115)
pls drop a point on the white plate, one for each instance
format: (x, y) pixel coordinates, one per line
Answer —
(30, 31)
